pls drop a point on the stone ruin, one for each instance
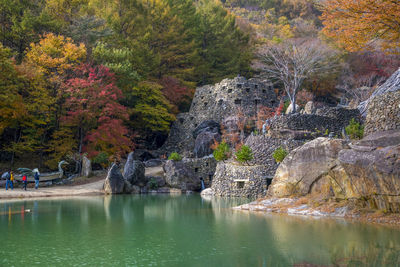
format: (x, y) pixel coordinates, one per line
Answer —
(216, 103)
(218, 107)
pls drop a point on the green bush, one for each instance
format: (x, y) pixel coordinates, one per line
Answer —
(244, 154)
(354, 130)
(102, 159)
(153, 185)
(222, 152)
(175, 156)
(286, 104)
(279, 154)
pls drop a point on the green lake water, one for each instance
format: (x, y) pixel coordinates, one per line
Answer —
(182, 231)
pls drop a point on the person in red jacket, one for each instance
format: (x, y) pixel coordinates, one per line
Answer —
(24, 180)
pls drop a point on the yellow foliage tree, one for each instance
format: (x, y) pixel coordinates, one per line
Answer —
(54, 55)
(363, 24)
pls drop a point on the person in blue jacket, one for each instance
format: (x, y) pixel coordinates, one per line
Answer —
(37, 177)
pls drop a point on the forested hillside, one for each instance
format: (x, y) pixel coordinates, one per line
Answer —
(103, 76)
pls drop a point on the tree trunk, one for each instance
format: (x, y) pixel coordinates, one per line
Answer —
(294, 104)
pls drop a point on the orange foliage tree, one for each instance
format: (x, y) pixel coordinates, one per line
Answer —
(362, 24)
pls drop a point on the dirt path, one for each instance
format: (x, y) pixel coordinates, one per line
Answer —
(92, 188)
(95, 188)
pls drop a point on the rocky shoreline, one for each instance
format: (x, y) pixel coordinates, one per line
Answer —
(306, 207)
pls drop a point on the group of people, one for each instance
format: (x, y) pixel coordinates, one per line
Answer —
(9, 176)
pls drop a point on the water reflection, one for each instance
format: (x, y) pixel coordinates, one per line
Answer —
(184, 231)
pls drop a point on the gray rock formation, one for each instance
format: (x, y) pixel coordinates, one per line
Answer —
(391, 85)
(188, 173)
(86, 167)
(207, 126)
(115, 182)
(232, 180)
(207, 192)
(216, 103)
(367, 171)
(154, 163)
(301, 170)
(134, 171)
(370, 170)
(309, 108)
(203, 143)
(180, 175)
(289, 109)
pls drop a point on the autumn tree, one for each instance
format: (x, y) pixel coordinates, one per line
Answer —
(22, 22)
(292, 62)
(92, 109)
(363, 24)
(151, 112)
(25, 108)
(55, 57)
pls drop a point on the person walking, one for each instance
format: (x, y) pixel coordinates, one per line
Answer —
(37, 177)
(12, 180)
(7, 176)
(24, 180)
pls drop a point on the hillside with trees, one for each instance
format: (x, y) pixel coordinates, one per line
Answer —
(102, 77)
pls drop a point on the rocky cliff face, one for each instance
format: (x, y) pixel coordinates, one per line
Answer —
(368, 171)
(305, 168)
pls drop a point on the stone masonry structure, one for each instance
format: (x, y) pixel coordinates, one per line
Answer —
(383, 113)
(217, 102)
(232, 180)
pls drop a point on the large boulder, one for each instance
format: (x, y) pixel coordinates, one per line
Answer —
(309, 108)
(233, 180)
(370, 170)
(391, 85)
(134, 171)
(180, 175)
(86, 167)
(206, 126)
(203, 143)
(289, 109)
(115, 182)
(301, 171)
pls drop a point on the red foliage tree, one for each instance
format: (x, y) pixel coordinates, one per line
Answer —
(176, 93)
(92, 108)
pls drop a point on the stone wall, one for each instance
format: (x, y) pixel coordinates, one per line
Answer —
(224, 99)
(310, 126)
(383, 113)
(263, 147)
(231, 180)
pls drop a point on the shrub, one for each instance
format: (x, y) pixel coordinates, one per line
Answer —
(244, 154)
(279, 154)
(354, 130)
(102, 159)
(286, 104)
(153, 183)
(175, 156)
(222, 152)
